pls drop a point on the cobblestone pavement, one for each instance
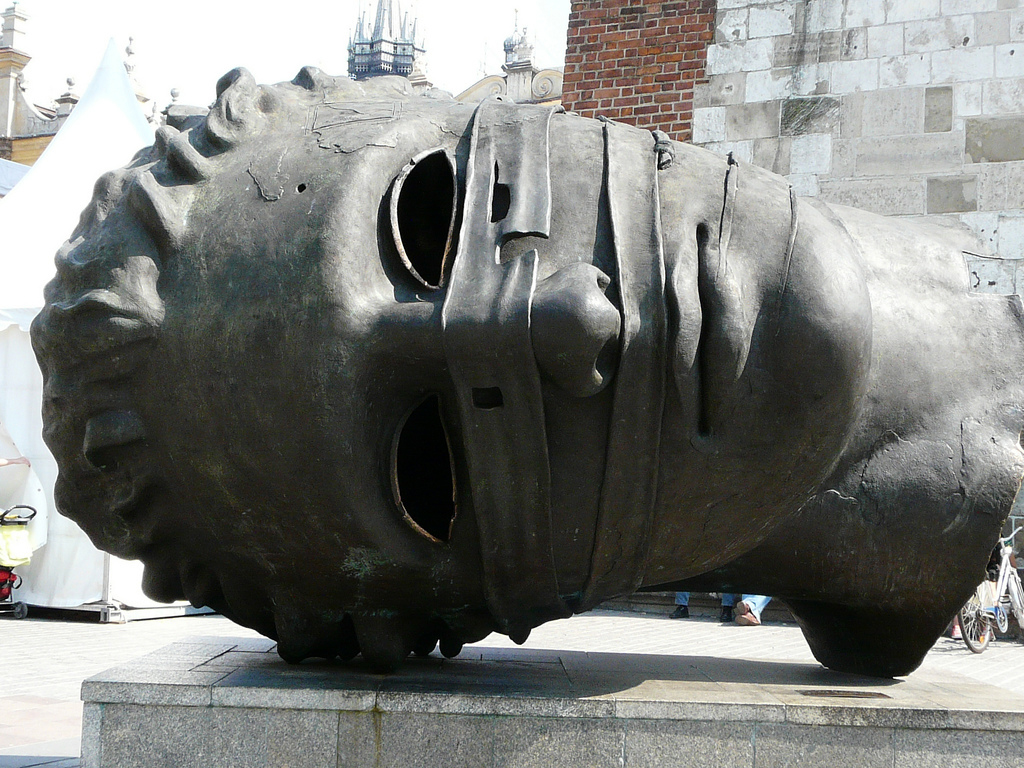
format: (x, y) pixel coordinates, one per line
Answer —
(46, 661)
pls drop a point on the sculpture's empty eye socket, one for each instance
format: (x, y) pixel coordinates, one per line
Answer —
(424, 204)
(423, 478)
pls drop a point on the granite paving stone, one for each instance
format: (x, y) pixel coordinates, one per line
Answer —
(791, 746)
(412, 740)
(541, 742)
(652, 653)
(927, 749)
(656, 744)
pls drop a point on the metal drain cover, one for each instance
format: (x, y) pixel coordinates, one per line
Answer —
(837, 694)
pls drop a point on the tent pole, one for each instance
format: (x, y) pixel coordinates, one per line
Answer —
(109, 612)
(105, 596)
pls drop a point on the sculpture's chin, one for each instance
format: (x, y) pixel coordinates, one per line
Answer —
(161, 584)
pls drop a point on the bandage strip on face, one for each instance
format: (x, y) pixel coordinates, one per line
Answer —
(486, 322)
(629, 491)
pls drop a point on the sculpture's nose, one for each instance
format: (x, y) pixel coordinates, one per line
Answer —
(575, 329)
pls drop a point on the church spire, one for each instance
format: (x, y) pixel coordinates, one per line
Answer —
(391, 49)
(384, 25)
(12, 61)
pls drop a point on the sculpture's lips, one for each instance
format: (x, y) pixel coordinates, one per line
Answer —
(726, 318)
(717, 359)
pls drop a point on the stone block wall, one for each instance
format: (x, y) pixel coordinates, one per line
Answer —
(909, 108)
(637, 60)
(904, 107)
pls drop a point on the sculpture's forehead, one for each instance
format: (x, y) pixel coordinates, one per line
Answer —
(345, 126)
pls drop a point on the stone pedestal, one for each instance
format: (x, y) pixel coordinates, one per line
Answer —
(216, 703)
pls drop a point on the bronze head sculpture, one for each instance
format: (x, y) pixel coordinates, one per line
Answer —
(367, 371)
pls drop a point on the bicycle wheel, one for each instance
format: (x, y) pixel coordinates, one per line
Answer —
(1003, 617)
(1016, 594)
(977, 634)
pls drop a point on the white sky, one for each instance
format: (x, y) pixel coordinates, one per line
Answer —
(189, 44)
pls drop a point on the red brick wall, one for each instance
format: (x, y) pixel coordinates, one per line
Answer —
(637, 61)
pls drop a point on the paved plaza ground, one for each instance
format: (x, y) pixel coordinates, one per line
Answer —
(45, 661)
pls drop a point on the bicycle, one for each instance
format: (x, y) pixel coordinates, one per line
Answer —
(989, 607)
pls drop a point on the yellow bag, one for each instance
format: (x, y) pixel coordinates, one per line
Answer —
(15, 547)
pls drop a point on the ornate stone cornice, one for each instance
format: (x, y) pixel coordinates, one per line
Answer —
(14, 59)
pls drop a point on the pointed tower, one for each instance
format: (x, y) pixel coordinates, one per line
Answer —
(390, 49)
(518, 66)
(25, 128)
(12, 61)
(521, 80)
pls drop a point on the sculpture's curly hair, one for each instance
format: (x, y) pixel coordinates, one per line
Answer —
(97, 334)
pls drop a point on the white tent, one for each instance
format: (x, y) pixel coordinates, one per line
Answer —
(104, 131)
(10, 174)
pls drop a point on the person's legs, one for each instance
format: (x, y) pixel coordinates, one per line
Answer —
(748, 610)
(757, 603)
(728, 601)
(682, 610)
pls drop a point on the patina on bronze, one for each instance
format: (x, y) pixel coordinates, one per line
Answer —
(368, 372)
